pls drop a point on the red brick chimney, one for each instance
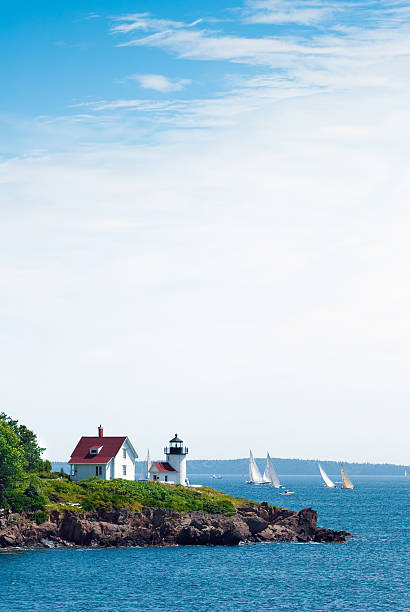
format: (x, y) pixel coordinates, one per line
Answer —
(100, 432)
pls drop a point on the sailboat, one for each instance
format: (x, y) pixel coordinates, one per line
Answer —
(347, 483)
(144, 474)
(329, 483)
(255, 477)
(270, 475)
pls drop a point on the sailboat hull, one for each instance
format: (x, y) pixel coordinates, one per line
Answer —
(251, 482)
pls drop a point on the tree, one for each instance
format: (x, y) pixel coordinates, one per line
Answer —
(11, 462)
(47, 466)
(27, 440)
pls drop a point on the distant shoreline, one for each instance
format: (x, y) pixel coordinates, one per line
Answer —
(284, 467)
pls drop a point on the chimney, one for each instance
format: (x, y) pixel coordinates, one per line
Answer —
(100, 432)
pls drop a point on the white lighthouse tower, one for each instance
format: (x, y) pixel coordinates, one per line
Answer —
(176, 457)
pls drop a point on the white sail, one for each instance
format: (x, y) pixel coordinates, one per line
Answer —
(148, 464)
(254, 474)
(144, 474)
(270, 474)
(329, 483)
(347, 483)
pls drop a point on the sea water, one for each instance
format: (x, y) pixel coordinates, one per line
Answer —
(368, 573)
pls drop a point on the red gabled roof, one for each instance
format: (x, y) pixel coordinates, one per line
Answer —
(163, 466)
(110, 447)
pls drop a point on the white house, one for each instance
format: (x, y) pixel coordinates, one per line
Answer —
(107, 457)
(173, 469)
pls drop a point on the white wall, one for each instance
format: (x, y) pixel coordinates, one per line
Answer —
(172, 477)
(113, 469)
(129, 462)
(87, 470)
(178, 462)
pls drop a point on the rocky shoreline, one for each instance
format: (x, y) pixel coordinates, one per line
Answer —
(163, 527)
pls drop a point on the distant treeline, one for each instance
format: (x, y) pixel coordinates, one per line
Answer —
(293, 467)
(282, 466)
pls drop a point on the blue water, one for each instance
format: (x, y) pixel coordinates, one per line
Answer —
(368, 573)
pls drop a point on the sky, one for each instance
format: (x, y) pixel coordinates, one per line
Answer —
(204, 225)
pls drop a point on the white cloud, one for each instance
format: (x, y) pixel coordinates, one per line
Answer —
(143, 21)
(285, 12)
(259, 263)
(159, 82)
(262, 268)
(110, 224)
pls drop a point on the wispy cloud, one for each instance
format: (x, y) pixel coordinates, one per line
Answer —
(159, 82)
(144, 21)
(285, 12)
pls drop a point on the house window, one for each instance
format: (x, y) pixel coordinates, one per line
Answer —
(166, 478)
(98, 470)
(156, 477)
(124, 470)
(124, 453)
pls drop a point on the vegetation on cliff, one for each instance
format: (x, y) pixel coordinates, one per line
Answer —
(95, 494)
(28, 485)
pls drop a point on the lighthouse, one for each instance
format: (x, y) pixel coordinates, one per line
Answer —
(173, 469)
(176, 457)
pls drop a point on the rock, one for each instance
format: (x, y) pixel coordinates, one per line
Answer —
(164, 527)
(256, 524)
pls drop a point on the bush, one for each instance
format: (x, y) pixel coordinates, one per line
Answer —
(40, 516)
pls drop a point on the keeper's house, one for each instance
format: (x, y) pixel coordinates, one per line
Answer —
(106, 457)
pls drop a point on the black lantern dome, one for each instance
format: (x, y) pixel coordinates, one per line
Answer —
(175, 439)
(176, 447)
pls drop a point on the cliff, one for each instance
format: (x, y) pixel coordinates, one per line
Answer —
(165, 527)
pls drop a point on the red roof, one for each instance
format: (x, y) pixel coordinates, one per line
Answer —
(163, 466)
(110, 447)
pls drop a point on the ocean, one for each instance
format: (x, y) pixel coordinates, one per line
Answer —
(368, 573)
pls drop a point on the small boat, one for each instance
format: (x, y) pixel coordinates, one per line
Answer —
(347, 483)
(286, 492)
(255, 477)
(270, 475)
(329, 483)
(144, 475)
(216, 477)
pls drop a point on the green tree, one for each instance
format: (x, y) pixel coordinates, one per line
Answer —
(27, 442)
(47, 466)
(11, 462)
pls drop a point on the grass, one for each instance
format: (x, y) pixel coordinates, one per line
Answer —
(96, 494)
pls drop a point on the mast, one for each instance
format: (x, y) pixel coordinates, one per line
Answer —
(144, 474)
(329, 483)
(148, 464)
(347, 483)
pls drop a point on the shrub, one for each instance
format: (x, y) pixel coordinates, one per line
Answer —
(40, 516)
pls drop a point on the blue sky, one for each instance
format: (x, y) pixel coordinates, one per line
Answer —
(92, 62)
(203, 223)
